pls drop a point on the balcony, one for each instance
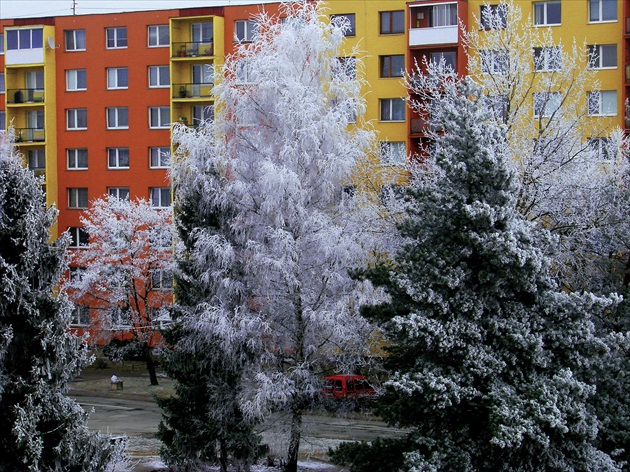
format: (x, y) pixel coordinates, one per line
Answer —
(422, 126)
(29, 135)
(25, 95)
(183, 91)
(435, 24)
(192, 49)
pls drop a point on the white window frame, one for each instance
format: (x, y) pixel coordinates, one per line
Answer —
(201, 113)
(119, 192)
(118, 158)
(350, 19)
(544, 19)
(247, 32)
(450, 58)
(596, 11)
(493, 16)
(77, 235)
(602, 103)
(156, 72)
(25, 38)
(387, 109)
(548, 101)
(38, 158)
(73, 118)
(163, 122)
(443, 15)
(601, 146)
(161, 279)
(494, 61)
(198, 30)
(159, 157)
(77, 198)
(115, 80)
(74, 158)
(72, 80)
(2, 85)
(393, 153)
(596, 56)
(115, 36)
(159, 196)
(78, 36)
(545, 59)
(80, 313)
(157, 33)
(117, 117)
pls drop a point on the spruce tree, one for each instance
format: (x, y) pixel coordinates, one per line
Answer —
(486, 353)
(40, 427)
(203, 422)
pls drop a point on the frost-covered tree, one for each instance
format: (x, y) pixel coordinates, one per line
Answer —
(40, 427)
(273, 251)
(124, 274)
(488, 356)
(571, 160)
(211, 347)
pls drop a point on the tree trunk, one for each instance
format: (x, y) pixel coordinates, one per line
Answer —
(151, 368)
(223, 455)
(294, 441)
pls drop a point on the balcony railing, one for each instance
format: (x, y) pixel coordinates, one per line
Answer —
(193, 49)
(192, 90)
(433, 36)
(25, 95)
(29, 135)
(423, 125)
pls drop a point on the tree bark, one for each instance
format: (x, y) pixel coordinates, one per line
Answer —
(151, 368)
(223, 455)
(294, 441)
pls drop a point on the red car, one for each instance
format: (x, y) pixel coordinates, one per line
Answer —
(347, 386)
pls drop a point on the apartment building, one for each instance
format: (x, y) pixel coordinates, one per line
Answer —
(92, 97)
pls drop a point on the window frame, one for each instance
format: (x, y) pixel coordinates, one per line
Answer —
(72, 114)
(600, 11)
(116, 37)
(249, 30)
(352, 21)
(545, 112)
(156, 160)
(74, 158)
(544, 56)
(79, 237)
(382, 69)
(117, 117)
(162, 280)
(389, 149)
(69, 73)
(199, 37)
(497, 10)
(392, 27)
(33, 41)
(158, 74)
(494, 61)
(75, 40)
(160, 110)
(116, 191)
(600, 56)
(114, 157)
(156, 195)
(40, 154)
(77, 196)
(545, 20)
(80, 313)
(158, 44)
(600, 146)
(597, 98)
(114, 73)
(391, 109)
(433, 57)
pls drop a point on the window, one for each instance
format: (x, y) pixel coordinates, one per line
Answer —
(76, 118)
(78, 237)
(75, 40)
(162, 279)
(77, 273)
(1, 44)
(32, 38)
(158, 36)
(158, 76)
(77, 198)
(345, 68)
(443, 15)
(546, 103)
(602, 147)
(77, 159)
(2, 82)
(392, 22)
(159, 157)
(117, 118)
(602, 103)
(601, 56)
(159, 117)
(120, 318)
(203, 74)
(547, 13)
(116, 37)
(245, 74)
(393, 66)
(201, 32)
(392, 109)
(449, 58)
(602, 10)
(80, 314)
(493, 16)
(160, 197)
(76, 80)
(349, 20)
(36, 159)
(393, 153)
(3, 120)
(119, 192)
(245, 30)
(494, 62)
(118, 158)
(498, 105)
(201, 114)
(117, 78)
(548, 59)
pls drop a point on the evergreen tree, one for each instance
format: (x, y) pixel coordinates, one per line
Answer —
(209, 351)
(40, 427)
(487, 354)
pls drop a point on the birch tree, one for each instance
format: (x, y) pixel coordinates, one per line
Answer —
(41, 428)
(124, 274)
